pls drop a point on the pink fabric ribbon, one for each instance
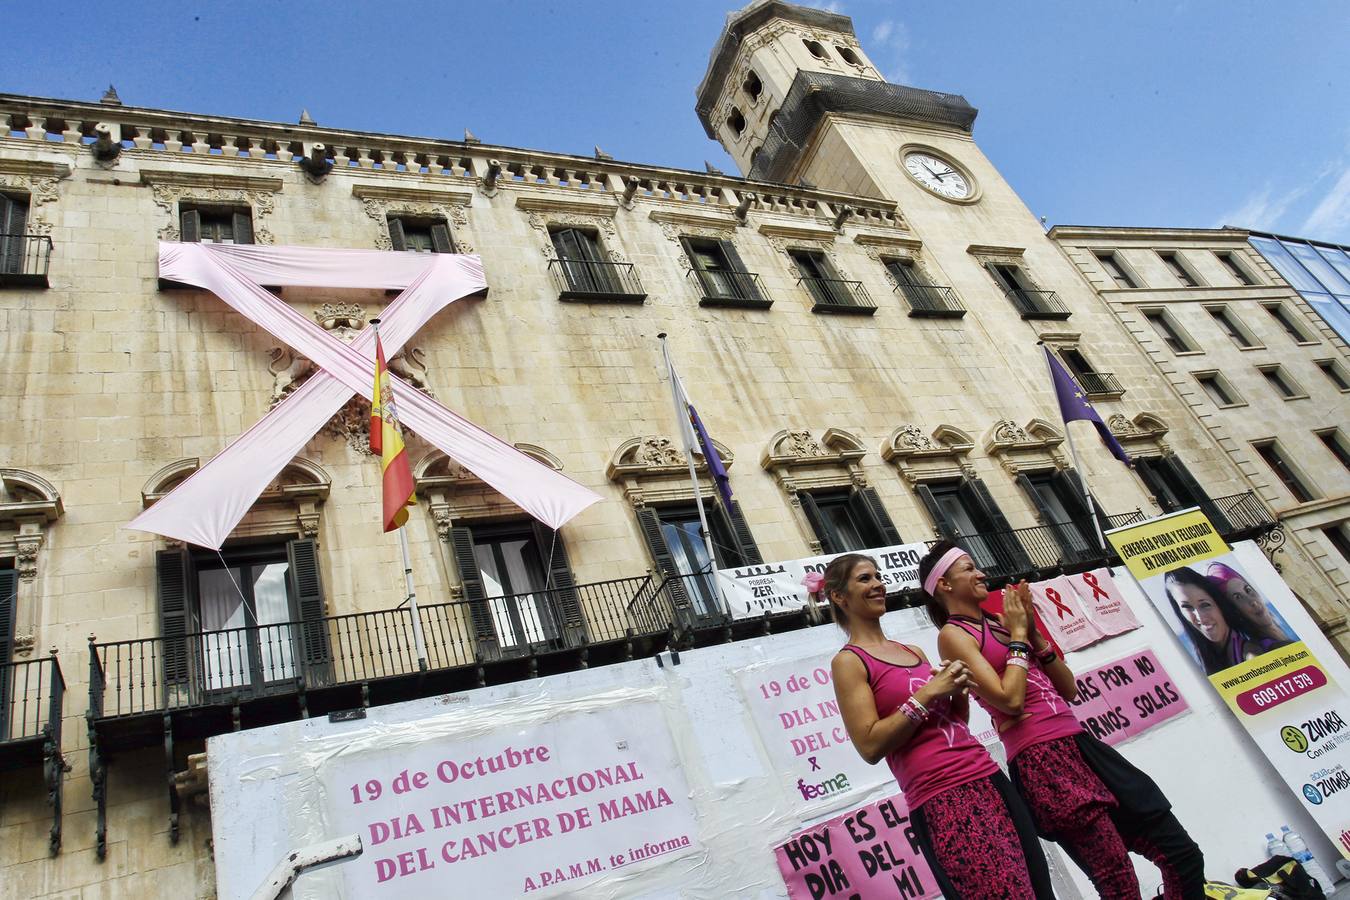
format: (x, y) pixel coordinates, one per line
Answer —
(814, 581)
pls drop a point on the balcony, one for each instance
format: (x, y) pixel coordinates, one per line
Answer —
(728, 288)
(834, 295)
(931, 301)
(583, 279)
(32, 695)
(1037, 304)
(24, 259)
(1099, 384)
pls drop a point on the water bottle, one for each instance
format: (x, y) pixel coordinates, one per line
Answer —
(1275, 846)
(1298, 849)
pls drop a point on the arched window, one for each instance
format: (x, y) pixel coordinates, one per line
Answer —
(815, 48)
(736, 122)
(753, 86)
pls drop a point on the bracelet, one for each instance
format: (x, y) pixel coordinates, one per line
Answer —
(916, 711)
(1019, 661)
(1020, 645)
(1048, 657)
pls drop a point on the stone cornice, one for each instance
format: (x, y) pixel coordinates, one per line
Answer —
(210, 180)
(887, 240)
(570, 204)
(1145, 235)
(408, 194)
(34, 168)
(697, 220)
(797, 232)
(994, 250)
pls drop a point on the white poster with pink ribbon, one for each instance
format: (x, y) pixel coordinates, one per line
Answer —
(1080, 610)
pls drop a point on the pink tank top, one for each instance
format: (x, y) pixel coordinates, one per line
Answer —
(943, 754)
(1045, 714)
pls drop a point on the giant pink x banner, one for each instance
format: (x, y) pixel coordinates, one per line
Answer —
(206, 507)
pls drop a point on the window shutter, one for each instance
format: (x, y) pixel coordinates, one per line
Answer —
(567, 602)
(1076, 497)
(1007, 548)
(1065, 532)
(828, 543)
(308, 593)
(1183, 479)
(650, 525)
(190, 226)
(9, 590)
(13, 221)
(397, 239)
(750, 555)
(475, 594)
(243, 227)
(173, 569)
(867, 504)
(944, 526)
(745, 283)
(441, 242)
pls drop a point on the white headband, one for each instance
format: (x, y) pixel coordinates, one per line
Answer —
(940, 569)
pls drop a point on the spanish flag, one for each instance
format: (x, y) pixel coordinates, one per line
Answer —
(386, 440)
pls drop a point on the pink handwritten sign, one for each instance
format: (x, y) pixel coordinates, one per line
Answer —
(870, 851)
(1126, 697)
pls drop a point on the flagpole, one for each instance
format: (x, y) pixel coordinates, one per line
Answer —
(418, 644)
(1073, 454)
(682, 419)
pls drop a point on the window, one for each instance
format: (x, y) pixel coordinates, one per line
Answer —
(753, 86)
(820, 280)
(675, 540)
(1284, 470)
(1337, 444)
(1093, 382)
(1218, 389)
(420, 235)
(1282, 383)
(248, 621)
(965, 511)
(1058, 497)
(924, 297)
(1168, 330)
(518, 583)
(1280, 313)
(720, 275)
(1332, 369)
(1179, 269)
(848, 56)
(583, 271)
(1111, 262)
(1232, 326)
(1236, 269)
(13, 225)
(1336, 535)
(1174, 488)
(1030, 302)
(216, 225)
(736, 122)
(849, 519)
(9, 592)
(814, 48)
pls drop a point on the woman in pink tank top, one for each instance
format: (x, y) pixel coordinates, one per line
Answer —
(975, 833)
(1082, 794)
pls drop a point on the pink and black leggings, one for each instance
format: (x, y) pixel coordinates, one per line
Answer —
(981, 844)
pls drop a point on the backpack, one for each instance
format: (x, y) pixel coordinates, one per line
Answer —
(1281, 877)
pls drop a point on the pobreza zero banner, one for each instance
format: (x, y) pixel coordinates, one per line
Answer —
(515, 810)
(1227, 615)
(777, 587)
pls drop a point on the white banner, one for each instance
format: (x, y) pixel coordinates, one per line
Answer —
(514, 810)
(751, 591)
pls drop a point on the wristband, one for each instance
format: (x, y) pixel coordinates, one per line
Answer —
(1020, 645)
(1019, 661)
(1048, 657)
(915, 710)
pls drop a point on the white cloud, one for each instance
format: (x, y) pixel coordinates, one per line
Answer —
(889, 50)
(882, 32)
(1330, 219)
(1261, 210)
(834, 6)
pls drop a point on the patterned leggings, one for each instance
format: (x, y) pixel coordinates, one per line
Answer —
(1073, 807)
(981, 843)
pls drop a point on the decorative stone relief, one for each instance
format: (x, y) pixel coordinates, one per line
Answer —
(1121, 426)
(658, 451)
(168, 195)
(454, 214)
(1009, 432)
(652, 468)
(673, 232)
(41, 190)
(603, 225)
(911, 437)
(26, 554)
(784, 246)
(920, 457)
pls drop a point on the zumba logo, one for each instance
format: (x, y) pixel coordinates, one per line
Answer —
(1313, 795)
(825, 788)
(1294, 738)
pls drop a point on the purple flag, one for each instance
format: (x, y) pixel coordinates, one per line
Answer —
(715, 467)
(1074, 407)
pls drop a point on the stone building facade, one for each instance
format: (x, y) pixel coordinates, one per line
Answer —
(857, 322)
(1267, 375)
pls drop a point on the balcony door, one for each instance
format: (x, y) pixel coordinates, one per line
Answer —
(675, 539)
(13, 221)
(9, 589)
(584, 263)
(965, 512)
(245, 612)
(511, 566)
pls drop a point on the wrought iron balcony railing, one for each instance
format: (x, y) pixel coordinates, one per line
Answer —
(24, 259)
(932, 301)
(208, 668)
(1242, 515)
(838, 296)
(1037, 304)
(725, 287)
(584, 279)
(1100, 384)
(31, 696)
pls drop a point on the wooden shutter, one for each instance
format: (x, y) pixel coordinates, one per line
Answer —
(650, 525)
(1182, 478)
(307, 592)
(750, 555)
(13, 222)
(242, 224)
(471, 580)
(1072, 485)
(397, 239)
(867, 505)
(567, 601)
(828, 542)
(744, 282)
(944, 525)
(1064, 532)
(190, 225)
(441, 242)
(9, 590)
(173, 571)
(1004, 543)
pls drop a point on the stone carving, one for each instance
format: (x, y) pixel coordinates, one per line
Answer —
(1120, 425)
(604, 225)
(410, 365)
(24, 643)
(658, 451)
(345, 320)
(443, 524)
(1009, 432)
(289, 371)
(800, 444)
(168, 196)
(26, 555)
(455, 215)
(41, 190)
(909, 437)
(784, 247)
(674, 232)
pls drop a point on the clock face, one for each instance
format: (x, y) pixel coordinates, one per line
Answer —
(938, 176)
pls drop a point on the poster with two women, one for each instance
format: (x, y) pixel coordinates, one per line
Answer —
(1238, 621)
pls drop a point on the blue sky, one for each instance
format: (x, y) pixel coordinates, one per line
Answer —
(1117, 113)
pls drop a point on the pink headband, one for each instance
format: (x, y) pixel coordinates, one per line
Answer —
(1223, 574)
(943, 564)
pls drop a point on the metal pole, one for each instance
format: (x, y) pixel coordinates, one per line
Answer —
(1073, 454)
(411, 599)
(682, 420)
(285, 872)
